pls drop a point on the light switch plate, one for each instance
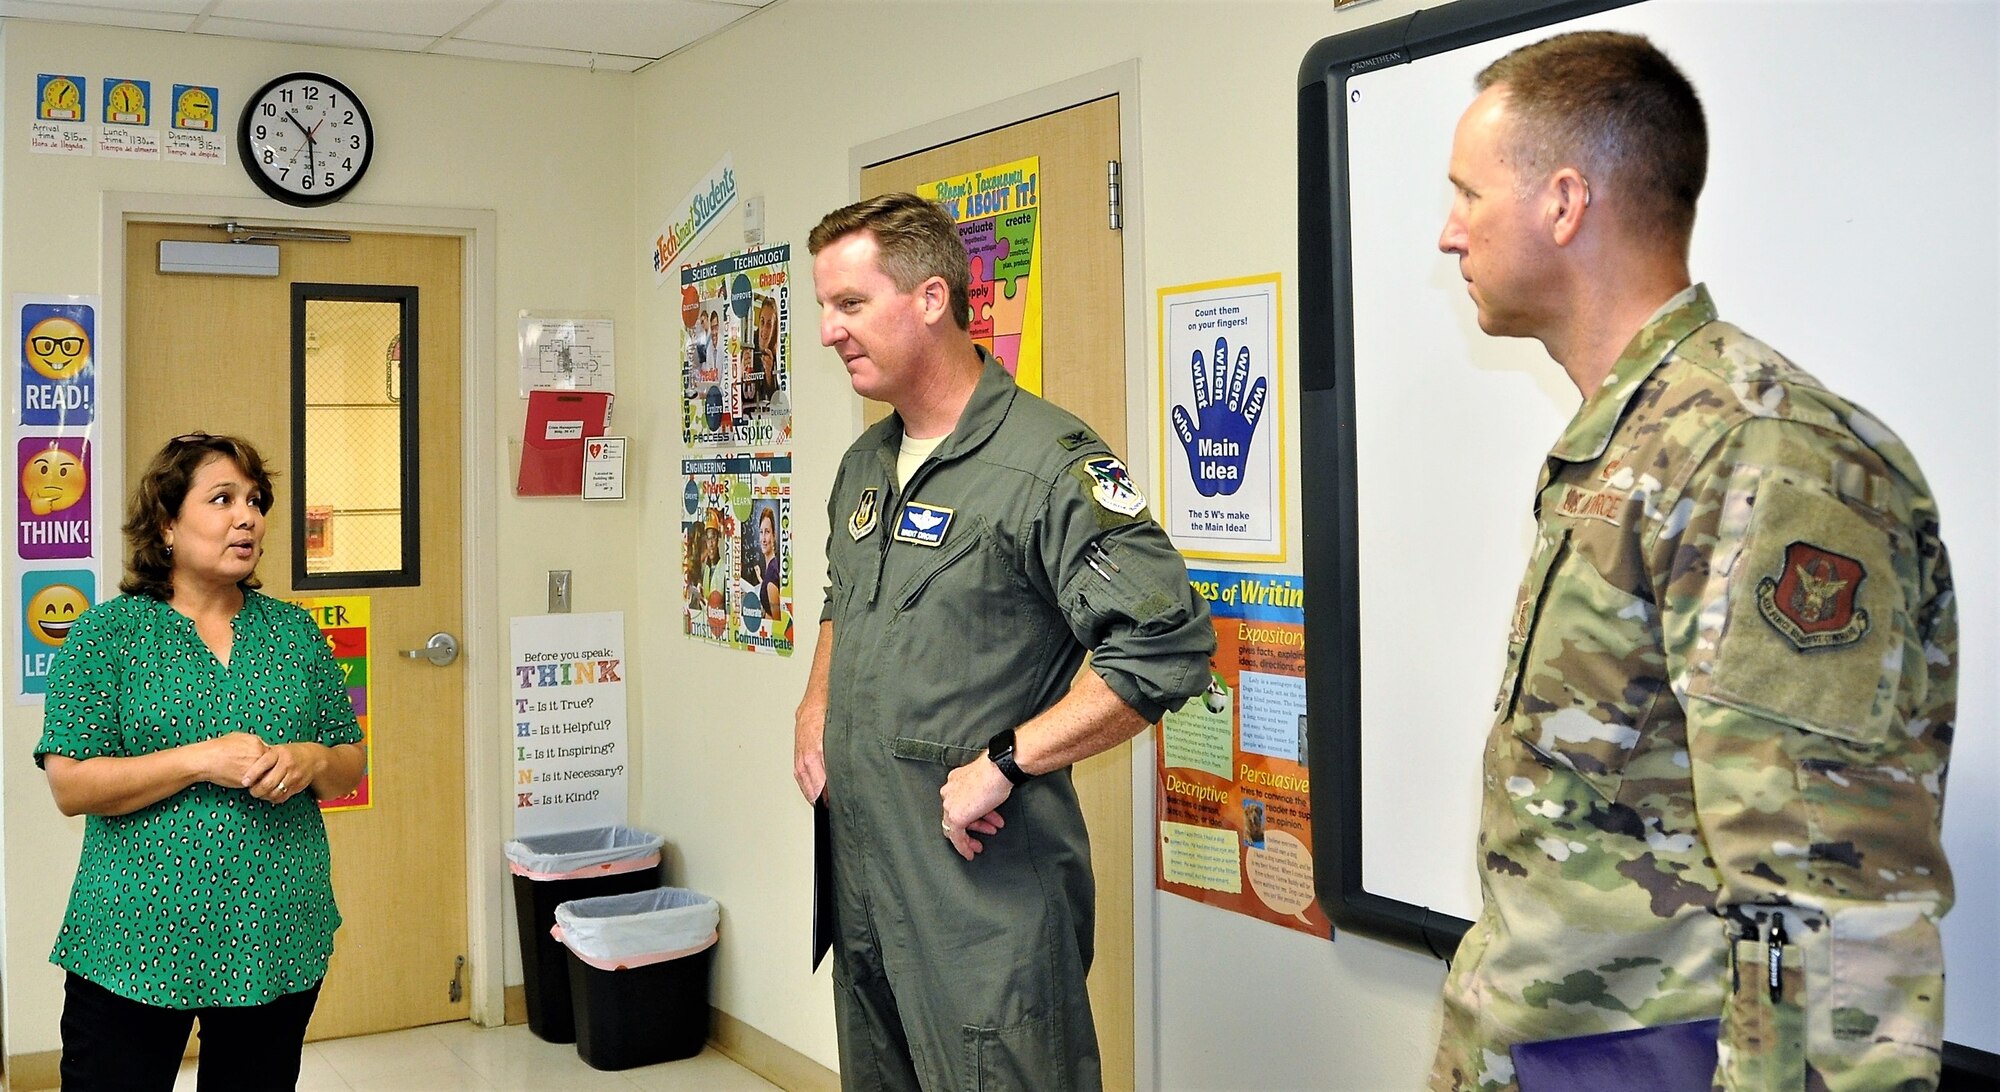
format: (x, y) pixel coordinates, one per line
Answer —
(558, 591)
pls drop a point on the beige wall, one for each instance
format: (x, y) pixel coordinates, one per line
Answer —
(581, 169)
(546, 150)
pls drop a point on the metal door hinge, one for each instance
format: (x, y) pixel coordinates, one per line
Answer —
(1115, 192)
(458, 980)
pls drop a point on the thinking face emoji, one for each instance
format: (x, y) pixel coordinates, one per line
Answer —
(53, 610)
(57, 347)
(52, 481)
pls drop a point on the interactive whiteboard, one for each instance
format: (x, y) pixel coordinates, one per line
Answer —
(1849, 221)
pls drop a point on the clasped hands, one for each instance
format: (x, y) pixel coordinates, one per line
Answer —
(275, 773)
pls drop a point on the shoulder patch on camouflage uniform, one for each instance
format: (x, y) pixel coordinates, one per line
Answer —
(1072, 441)
(1812, 599)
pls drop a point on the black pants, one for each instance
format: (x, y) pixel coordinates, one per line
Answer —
(115, 1044)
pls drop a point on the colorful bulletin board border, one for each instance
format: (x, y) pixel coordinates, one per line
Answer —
(998, 210)
(343, 620)
(1232, 796)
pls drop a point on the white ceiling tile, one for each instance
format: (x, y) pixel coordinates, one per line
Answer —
(279, 32)
(163, 19)
(651, 28)
(622, 35)
(427, 17)
(608, 62)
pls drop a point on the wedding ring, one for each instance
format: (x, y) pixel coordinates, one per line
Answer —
(946, 823)
(281, 784)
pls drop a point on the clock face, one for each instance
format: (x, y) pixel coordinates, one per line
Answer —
(305, 139)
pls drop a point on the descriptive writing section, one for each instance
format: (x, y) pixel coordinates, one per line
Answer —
(568, 722)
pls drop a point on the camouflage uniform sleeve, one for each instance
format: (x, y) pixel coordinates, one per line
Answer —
(1122, 588)
(1811, 639)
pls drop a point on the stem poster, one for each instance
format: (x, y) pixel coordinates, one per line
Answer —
(1234, 814)
(736, 552)
(736, 350)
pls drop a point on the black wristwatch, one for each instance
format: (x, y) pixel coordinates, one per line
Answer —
(1001, 750)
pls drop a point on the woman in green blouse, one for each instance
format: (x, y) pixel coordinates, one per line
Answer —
(195, 721)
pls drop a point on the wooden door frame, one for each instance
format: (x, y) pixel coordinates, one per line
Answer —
(1121, 80)
(486, 780)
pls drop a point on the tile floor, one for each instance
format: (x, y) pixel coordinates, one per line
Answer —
(454, 1057)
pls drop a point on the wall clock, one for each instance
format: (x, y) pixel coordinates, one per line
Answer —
(305, 139)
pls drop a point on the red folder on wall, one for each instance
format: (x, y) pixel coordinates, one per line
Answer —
(552, 441)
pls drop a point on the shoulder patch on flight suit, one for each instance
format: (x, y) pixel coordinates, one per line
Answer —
(1812, 599)
(862, 519)
(1112, 487)
(1077, 439)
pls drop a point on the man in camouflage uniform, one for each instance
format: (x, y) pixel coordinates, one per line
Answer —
(1713, 787)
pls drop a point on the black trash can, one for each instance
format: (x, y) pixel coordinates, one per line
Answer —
(550, 869)
(638, 972)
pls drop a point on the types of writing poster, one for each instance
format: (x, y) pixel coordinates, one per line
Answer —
(569, 722)
(736, 552)
(343, 621)
(1235, 818)
(58, 515)
(567, 353)
(999, 219)
(1222, 491)
(736, 371)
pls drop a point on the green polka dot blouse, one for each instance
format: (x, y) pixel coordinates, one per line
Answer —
(211, 896)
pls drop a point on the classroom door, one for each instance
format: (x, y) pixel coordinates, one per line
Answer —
(1083, 334)
(214, 353)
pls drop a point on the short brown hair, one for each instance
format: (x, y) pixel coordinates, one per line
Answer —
(919, 240)
(1615, 106)
(162, 489)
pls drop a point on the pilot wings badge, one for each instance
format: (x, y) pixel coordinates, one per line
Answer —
(923, 524)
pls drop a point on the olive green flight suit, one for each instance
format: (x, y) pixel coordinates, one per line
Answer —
(963, 605)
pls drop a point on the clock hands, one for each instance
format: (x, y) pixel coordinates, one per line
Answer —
(312, 145)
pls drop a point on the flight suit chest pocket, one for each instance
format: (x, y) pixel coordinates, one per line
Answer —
(952, 570)
(1586, 667)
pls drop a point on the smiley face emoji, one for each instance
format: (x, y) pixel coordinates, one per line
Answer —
(52, 481)
(57, 347)
(53, 610)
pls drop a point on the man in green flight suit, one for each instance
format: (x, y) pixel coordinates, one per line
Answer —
(982, 542)
(1714, 784)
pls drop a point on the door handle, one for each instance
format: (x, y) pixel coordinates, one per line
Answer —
(441, 650)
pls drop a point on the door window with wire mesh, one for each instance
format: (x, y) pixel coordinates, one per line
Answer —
(354, 436)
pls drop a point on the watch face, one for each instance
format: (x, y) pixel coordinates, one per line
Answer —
(305, 139)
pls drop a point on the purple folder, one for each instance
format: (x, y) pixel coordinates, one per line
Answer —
(1669, 1058)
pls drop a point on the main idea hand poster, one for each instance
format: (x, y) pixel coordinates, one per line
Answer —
(1234, 814)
